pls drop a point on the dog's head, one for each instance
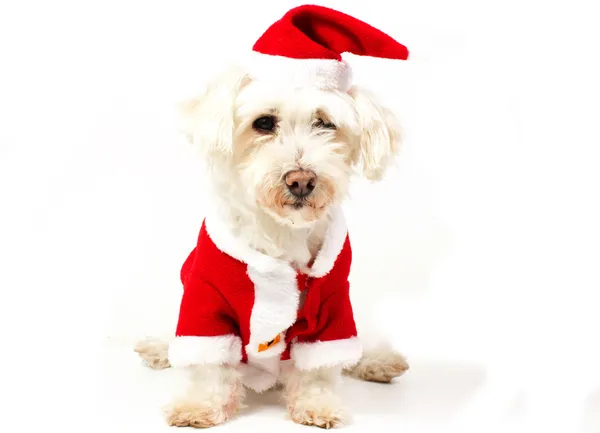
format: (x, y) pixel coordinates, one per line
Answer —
(289, 152)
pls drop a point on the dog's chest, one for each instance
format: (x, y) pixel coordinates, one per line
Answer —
(299, 247)
(302, 249)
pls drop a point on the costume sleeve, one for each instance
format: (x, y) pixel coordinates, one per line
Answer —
(206, 332)
(334, 340)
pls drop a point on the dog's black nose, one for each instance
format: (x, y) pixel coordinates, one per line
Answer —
(301, 182)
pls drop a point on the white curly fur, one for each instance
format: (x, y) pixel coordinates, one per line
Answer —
(311, 397)
(214, 394)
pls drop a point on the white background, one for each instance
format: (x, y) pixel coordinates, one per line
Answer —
(478, 257)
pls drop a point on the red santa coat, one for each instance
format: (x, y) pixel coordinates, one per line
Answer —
(240, 306)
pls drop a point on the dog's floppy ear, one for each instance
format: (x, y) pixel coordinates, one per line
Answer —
(208, 119)
(379, 135)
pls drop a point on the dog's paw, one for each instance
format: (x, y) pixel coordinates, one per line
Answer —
(319, 412)
(380, 365)
(154, 352)
(198, 415)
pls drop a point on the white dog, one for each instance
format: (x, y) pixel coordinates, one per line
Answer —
(280, 160)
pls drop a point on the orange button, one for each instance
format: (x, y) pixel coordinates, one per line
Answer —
(264, 346)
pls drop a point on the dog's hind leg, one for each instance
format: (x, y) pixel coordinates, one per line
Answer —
(154, 352)
(379, 365)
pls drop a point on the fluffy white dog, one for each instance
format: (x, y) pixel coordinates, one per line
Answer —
(280, 160)
(266, 298)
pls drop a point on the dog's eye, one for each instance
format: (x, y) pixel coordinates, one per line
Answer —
(265, 124)
(320, 123)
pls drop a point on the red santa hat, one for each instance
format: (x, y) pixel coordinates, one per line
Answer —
(304, 48)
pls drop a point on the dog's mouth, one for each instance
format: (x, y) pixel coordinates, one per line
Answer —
(298, 204)
(297, 211)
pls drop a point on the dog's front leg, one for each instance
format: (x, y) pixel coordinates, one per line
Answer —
(311, 396)
(214, 395)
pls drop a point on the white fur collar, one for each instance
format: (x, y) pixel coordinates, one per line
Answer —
(226, 241)
(335, 236)
(333, 243)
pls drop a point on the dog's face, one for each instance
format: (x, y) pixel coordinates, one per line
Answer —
(289, 152)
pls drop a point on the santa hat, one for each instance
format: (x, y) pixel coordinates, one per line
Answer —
(304, 48)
